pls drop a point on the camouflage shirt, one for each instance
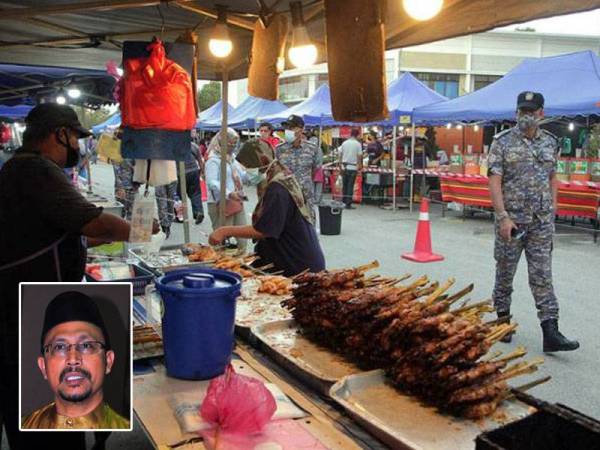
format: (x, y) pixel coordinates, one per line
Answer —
(525, 167)
(302, 162)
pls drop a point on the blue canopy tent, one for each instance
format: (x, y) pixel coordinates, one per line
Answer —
(112, 122)
(552, 76)
(245, 116)
(407, 93)
(25, 84)
(315, 110)
(14, 112)
(212, 114)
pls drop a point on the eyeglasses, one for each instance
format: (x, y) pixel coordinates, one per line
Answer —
(62, 349)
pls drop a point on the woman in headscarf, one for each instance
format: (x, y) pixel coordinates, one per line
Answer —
(235, 212)
(281, 222)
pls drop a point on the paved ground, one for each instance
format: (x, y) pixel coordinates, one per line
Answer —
(371, 233)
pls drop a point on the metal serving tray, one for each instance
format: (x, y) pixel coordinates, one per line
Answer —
(315, 365)
(402, 422)
(168, 259)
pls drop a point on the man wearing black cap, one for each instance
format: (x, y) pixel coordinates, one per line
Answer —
(523, 187)
(76, 356)
(302, 157)
(43, 222)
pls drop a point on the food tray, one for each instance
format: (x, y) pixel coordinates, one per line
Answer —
(402, 422)
(315, 365)
(168, 259)
(141, 318)
(254, 308)
(142, 278)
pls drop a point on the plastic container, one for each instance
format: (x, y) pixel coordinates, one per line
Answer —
(198, 321)
(141, 279)
(330, 217)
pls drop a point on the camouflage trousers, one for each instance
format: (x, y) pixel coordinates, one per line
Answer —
(165, 203)
(537, 243)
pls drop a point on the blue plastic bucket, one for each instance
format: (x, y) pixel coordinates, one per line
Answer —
(198, 321)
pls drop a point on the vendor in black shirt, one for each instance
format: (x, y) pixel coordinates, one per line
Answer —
(281, 222)
(44, 222)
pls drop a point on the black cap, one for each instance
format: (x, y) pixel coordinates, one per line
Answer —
(530, 100)
(69, 307)
(293, 121)
(52, 115)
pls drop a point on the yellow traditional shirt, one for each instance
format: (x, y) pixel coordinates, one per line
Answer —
(103, 417)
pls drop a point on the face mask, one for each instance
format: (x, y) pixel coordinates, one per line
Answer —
(290, 136)
(72, 152)
(255, 177)
(526, 121)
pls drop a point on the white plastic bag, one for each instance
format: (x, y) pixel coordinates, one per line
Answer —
(141, 218)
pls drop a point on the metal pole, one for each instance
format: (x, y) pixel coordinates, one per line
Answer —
(184, 200)
(224, 103)
(394, 183)
(412, 165)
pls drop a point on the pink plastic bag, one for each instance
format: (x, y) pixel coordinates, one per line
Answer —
(237, 404)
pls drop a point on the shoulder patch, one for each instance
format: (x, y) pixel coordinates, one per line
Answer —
(503, 133)
(547, 133)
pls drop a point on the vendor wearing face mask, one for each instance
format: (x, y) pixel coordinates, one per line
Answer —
(301, 156)
(282, 222)
(523, 187)
(44, 221)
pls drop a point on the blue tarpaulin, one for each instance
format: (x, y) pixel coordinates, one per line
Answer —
(246, 114)
(23, 84)
(314, 110)
(570, 84)
(14, 112)
(407, 93)
(212, 114)
(404, 94)
(112, 122)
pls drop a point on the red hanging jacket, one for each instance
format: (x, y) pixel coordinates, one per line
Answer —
(5, 134)
(157, 93)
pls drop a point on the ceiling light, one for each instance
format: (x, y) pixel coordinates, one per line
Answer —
(302, 53)
(422, 9)
(220, 44)
(61, 100)
(74, 93)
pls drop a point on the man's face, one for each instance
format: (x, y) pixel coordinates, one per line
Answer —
(264, 132)
(75, 376)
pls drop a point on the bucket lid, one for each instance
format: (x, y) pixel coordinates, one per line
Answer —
(210, 281)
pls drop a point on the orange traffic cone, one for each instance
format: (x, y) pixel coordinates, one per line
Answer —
(422, 252)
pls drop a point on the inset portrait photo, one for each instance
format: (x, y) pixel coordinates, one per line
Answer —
(75, 356)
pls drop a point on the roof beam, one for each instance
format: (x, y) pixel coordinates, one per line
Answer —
(80, 39)
(69, 8)
(231, 19)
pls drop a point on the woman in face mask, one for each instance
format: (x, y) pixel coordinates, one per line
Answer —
(282, 221)
(235, 213)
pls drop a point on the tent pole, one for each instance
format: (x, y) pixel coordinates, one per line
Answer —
(223, 177)
(394, 183)
(412, 166)
(184, 200)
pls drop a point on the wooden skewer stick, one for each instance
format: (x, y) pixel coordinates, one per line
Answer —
(367, 267)
(460, 294)
(519, 352)
(500, 332)
(474, 305)
(439, 291)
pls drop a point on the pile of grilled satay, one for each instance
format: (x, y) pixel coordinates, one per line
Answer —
(429, 345)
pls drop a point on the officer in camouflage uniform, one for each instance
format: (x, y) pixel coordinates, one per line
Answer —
(165, 203)
(521, 166)
(302, 157)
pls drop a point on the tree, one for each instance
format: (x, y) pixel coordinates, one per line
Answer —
(209, 94)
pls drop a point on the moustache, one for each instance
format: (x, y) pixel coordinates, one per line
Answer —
(81, 371)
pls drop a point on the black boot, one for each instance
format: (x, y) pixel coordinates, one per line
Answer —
(507, 339)
(554, 341)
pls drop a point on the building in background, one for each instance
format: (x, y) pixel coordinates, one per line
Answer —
(452, 67)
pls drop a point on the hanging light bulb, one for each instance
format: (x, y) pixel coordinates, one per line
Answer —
(60, 99)
(422, 9)
(74, 93)
(476, 128)
(459, 127)
(571, 126)
(448, 125)
(220, 44)
(302, 53)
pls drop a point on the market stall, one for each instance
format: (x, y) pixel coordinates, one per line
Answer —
(245, 115)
